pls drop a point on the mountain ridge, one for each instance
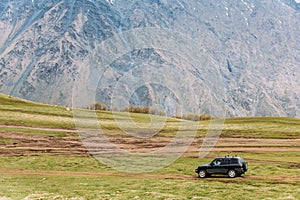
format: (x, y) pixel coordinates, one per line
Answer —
(250, 45)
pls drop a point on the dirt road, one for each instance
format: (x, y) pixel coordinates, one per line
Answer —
(18, 143)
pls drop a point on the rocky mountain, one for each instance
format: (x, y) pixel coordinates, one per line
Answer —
(234, 58)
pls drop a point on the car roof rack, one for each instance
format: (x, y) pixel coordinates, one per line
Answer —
(228, 156)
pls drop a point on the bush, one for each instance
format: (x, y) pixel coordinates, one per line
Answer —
(98, 106)
(204, 117)
(195, 117)
(157, 112)
(143, 110)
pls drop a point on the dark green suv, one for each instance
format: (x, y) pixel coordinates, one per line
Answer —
(231, 165)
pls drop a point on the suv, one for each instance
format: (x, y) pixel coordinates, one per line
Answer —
(231, 165)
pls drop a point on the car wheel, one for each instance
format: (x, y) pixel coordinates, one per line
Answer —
(202, 174)
(232, 173)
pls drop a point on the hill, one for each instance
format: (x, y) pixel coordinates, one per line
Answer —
(42, 156)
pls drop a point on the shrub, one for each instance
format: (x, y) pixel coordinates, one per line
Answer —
(143, 110)
(204, 117)
(195, 117)
(98, 106)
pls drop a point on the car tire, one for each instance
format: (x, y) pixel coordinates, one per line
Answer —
(202, 173)
(232, 173)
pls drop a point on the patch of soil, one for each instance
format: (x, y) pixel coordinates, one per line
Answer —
(34, 144)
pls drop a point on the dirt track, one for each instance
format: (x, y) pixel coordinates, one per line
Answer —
(34, 144)
(271, 179)
(17, 143)
(24, 144)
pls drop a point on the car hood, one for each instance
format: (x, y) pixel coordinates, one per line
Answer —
(205, 165)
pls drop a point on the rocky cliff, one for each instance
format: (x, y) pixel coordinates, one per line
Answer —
(241, 57)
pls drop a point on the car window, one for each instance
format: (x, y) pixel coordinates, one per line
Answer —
(217, 162)
(234, 161)
(225, 161)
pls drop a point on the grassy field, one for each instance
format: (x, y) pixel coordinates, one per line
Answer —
(42, 157)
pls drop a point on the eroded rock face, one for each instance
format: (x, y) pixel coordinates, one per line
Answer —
(243, 55)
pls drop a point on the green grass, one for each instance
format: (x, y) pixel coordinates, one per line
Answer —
(47, 187)
(12, 104)
(263, 165)
(271, 175)
(52, 163)
(118, 185)
(25, 113)
(30, 131)
(262, 127)
(35, 120)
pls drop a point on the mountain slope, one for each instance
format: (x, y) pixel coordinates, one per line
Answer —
(241, 57)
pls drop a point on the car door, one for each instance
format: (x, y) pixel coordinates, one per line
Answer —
(224, 166)
(214, 166)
